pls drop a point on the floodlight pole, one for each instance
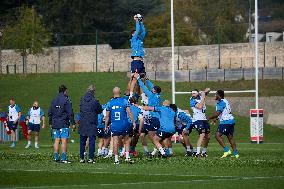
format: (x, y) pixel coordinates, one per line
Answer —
(173, 53)
(256, 67)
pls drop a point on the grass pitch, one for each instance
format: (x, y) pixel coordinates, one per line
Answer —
(260, 166)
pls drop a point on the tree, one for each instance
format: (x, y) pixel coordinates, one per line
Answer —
(27, 35)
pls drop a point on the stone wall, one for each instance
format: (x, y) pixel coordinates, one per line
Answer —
(273, 107)
(83, 58)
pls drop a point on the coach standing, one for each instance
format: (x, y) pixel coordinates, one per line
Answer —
(89, 110)
(60, 117)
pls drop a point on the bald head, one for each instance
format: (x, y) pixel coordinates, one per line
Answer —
(166, 103)
(116, 92)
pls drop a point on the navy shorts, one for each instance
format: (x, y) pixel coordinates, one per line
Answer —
(137, 65)
(101, 132)
(145, 128)
(202, 126)
(226, 129)
(154, 124)
(163, 134)
(133, 131)
(34, 127)
(12, 126)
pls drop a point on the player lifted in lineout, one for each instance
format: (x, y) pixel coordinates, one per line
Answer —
(137, 51)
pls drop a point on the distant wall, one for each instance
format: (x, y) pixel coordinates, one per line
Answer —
(218, 74)
(273, 107)
(83, 58)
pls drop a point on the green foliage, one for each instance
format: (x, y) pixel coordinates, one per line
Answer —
(28, 35)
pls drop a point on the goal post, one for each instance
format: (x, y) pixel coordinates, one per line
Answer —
(256, 55)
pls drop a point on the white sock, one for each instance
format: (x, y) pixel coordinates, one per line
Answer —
(110, 152)
(171, 150)
(145, 148)
(162, 151)
(127, 155)
(204, 150)
(198, 150)
(188, 148)
(99, 151)
(154, 151)
(29, 142)
(131, 94)
(116, 158)
(105, 151)
(36, 143)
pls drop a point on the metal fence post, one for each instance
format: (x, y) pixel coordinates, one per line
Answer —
(7, 69)
(15, 68)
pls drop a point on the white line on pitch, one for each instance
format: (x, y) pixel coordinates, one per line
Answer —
(155, 182)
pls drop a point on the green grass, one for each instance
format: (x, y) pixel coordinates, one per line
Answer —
(260, 166)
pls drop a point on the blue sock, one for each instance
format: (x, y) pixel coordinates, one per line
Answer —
(56, 156)
(14, 142)
(167, 151)
(63, 157)
(226, 149)
(132, 148)
(236, 152)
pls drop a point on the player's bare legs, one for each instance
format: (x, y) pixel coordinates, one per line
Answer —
(220, 139)
(116, 142)
(56, 148)
(127, 141)
(232, 142)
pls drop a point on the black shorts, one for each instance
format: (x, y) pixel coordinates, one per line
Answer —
(226, 129)
(202, 126)
(137, 65)
(34, 127)
(163, 134)
(154, 124)
(12, 126)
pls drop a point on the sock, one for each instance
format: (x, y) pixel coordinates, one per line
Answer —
(188, 149)
(226, 149)
(145, 149)
(56, 156)
(110, 152)
(132, 148)
(204, 150)
(162, 151)
(236, 152)
(99, 151)
(170, 151)
(131, 94)
(154, 151)
(127, 155)
(116, 158)
(36, 143)
(198, 150)
(63, 157)
(29, 142)
(105, 151)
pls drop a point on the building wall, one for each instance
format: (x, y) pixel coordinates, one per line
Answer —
(83, 58)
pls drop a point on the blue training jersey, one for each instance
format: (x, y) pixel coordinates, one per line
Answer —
(224, 108)
(101, 123)
(154, 99)
(183, 118)
(167, 118)
(118, 114)
(137, 45)
(136, 112)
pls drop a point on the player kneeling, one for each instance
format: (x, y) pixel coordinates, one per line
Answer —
(167, 127)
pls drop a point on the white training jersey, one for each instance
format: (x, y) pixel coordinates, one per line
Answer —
(13, 112)
(224, 107)
(146, 117)
(35, 115)
(198, 114)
